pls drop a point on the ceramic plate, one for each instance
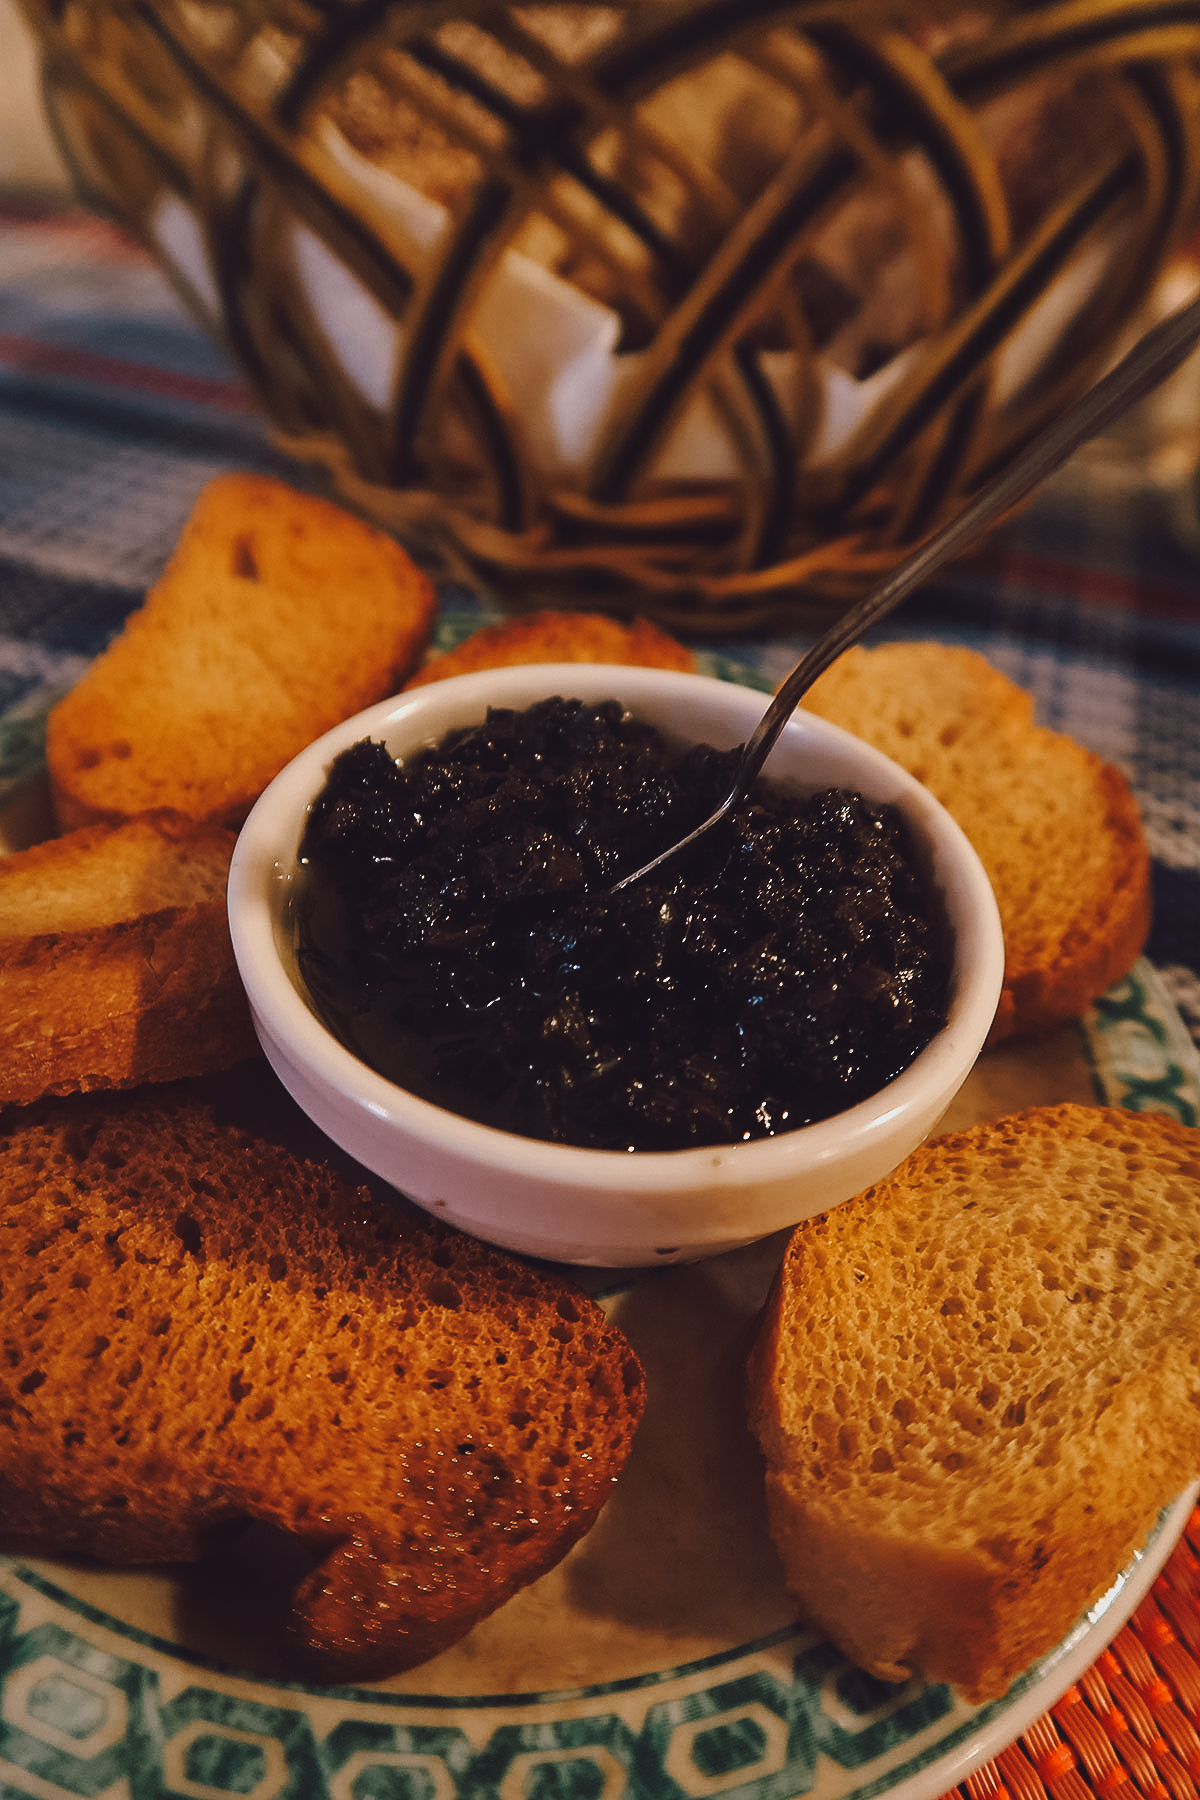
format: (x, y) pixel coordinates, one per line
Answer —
(660, 1660)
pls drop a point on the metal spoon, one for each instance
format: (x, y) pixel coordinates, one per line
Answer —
(1155, 355)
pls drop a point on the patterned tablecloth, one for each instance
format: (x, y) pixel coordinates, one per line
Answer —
(115, 409)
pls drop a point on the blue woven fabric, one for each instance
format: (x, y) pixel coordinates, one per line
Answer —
(115, 409)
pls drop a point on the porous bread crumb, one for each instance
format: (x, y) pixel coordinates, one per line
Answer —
(277, 616)
(203, 1327)
(977, 1384)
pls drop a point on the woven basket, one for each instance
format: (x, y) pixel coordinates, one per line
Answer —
(701, 308)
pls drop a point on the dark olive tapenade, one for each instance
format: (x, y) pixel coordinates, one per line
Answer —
(458, 933)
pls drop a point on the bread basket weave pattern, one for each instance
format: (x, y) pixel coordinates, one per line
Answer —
(701, 308)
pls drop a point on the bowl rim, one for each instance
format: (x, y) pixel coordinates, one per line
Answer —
(262, 868)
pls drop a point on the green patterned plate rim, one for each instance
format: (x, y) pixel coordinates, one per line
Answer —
(94, 1708)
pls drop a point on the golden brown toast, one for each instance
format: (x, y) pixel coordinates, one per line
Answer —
(977, 1384)
(548, 637)
(201, 1328)
(1056, 828)
(115, 960)
(277, 616)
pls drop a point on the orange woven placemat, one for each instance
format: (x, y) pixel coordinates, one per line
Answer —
(1129, 1726)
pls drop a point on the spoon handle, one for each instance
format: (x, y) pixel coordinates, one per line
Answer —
(1157, 353)
(1155, 356)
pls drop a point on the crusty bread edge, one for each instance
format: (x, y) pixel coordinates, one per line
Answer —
(946, 1613)
(1087, 964)
(353, 1602)
(189, 1015)
(840, 1571)
(188, 563)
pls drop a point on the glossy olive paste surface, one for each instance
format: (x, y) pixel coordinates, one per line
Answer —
(458, 933)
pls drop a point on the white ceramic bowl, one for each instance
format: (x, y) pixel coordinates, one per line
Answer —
(602, 1207)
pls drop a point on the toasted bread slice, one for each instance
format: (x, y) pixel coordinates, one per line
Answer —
(1056, 828)
(201, 1328)
(978, 1383)
(115, 960)
(567, 637)
(277, 615)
